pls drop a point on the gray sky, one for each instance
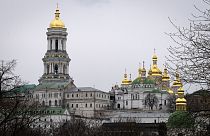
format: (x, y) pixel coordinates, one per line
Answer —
(105, 36)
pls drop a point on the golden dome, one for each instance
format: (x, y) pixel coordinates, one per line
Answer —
(177, 81)
(165, 76)
(125, 81)
(154, 57)
(156, 71)
(57, 23)
(181, 102)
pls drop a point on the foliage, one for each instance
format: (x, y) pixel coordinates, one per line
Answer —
(192, 51)
(151, 100)
(15, 109)
(171, 105)
(180, 119)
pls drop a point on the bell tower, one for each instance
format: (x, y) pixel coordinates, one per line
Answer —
(56, 60)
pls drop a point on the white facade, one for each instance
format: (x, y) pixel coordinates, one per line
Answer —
(134, 98)
(87, 102)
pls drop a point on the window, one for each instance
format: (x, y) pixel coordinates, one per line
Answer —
(48, 69)
(86, 105)
(56, 45)
(91, 95)
(72, 95)
(72, 105)
(91, 105)
(56, 103)
(50, 44)
(165, 102)
(86, 95)
(67, 105)
(77, 95)
(49, 102)
(67, 96)
(59, 102)
(126, 102)
(76, 105)
(56, 69)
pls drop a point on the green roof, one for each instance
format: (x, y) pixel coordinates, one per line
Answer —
(52, 85)
(50, 111)
(24, 88)
(138, 80)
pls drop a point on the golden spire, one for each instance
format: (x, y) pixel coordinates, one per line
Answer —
(177, 81)
(125, 81)
(150, 71)
(181, 101)
(57, 23)
(155, 70)
(165, 76)
(143, 69)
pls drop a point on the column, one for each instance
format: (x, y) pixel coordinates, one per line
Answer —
(53, 44)
(64, 44)
(48, 44)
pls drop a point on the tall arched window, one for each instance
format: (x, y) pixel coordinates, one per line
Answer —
(48, 69)
(56, 45)
(56, 103)
(49, 102)
(56, 69)
(50, 44)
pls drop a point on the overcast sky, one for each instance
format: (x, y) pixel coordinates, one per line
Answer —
(105, 36)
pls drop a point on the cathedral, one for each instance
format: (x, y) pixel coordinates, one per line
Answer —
(149, 91)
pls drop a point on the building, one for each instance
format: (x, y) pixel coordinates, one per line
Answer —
(56, 88)
(146, 92)
(198, 101)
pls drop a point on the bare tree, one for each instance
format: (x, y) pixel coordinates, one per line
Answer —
(17, 114)
(171, 105)
(192, 51)
(151, 100)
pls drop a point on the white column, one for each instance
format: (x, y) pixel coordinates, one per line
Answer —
(59, 44)
(64, 44)
(48, 44)
(53, 44)
(67, 71)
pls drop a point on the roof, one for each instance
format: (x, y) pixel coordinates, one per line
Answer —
(146, 81)
(53, 111)
(52, 85)
(24, 88)
(88, 89)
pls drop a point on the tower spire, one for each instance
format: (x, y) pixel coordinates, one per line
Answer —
(57, 23)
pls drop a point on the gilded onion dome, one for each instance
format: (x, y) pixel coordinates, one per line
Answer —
(165, 76)
(150, 71)
(181, 101)
(57, 22)
(126, 81)
(155, 70)
(177, 81)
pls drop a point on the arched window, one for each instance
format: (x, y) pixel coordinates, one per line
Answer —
(49, 102)
(48, 69)
(56, 69)
(56, 45)
(56, 103)
(50, 44)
